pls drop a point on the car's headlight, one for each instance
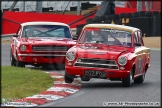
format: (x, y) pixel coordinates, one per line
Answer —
(122, 60)
(70, 55)
(23, 47)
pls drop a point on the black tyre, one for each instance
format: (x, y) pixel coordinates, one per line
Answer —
(108, 21)
(148, 14)
(155, 13)
(59, 66)
(128, 80)
(142, 13)
(95, 20)
(85, 78)
(68, 78)
(79, 28)
(135, 14)
(140, 79)
(102, 18)
(12, 59)
(122, 15)
(89, 21)
(115, 17)
(128, 15)
(108, 17)
(19, 63)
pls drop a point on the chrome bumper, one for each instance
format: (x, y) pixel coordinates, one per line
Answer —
(40, 55)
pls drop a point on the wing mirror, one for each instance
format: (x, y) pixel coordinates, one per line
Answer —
(15, 35)
(75, 37)
(138, 44)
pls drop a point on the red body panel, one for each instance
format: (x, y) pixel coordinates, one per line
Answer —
(138, 58)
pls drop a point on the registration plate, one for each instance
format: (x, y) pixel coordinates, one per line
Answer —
(95, 73)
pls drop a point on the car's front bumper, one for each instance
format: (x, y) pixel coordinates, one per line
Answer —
(41, 58)
(79, 71)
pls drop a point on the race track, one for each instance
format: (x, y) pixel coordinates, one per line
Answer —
(97, 91)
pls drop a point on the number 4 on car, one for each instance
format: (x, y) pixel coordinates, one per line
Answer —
(108, 51)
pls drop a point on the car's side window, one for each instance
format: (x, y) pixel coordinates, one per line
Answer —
(135, 37)
(140, 37)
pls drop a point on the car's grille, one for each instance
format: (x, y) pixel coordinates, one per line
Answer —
(97, 63)
(49, 48)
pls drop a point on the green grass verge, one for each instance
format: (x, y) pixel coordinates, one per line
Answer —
(18, 83)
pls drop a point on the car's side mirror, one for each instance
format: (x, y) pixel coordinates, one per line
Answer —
(15, 35)
(138, 44)
(75, 37)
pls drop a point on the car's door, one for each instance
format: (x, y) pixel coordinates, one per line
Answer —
(145, 52)
(139, 53)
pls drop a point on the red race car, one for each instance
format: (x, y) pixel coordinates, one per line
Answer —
(108, 51)
(40, 44)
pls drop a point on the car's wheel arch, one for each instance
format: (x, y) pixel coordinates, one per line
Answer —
(134, 70)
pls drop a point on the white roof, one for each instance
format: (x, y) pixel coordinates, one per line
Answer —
(111, 25)
(43, 23)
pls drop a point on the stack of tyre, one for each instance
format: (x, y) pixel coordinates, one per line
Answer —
(148, 22)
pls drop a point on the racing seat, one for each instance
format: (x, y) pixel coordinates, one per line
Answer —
(88, 37)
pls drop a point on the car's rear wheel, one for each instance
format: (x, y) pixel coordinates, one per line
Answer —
(68, 78)
(140, 79)
(12, 59)
(128, 80)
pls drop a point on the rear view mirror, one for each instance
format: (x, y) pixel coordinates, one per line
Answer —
(15, 35)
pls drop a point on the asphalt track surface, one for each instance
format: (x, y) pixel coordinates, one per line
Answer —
(97, 91)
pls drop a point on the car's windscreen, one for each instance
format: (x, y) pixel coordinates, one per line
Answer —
(46, 31)
(106, 36)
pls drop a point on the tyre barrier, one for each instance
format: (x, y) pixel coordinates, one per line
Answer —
(128, 15)
(148, 14)
(122, 15)
(109, 17)
(101, 18)
(96, 20)
(143, 23)
(155, 13)
(73, 8)
(135, 14)
(79, 28)
(89, 21)
(156, 26)
(148, 22)
(107, 22)
(115, 17)
(141, 13)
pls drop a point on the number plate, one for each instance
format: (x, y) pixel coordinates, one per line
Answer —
(94, 73)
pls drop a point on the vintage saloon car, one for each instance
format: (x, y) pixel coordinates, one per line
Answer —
(40, 44)
(108, 51)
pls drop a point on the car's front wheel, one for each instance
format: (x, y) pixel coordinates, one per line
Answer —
(19, 63)
(68, 78)
(128, 80)
(85, 78)
(12, 59)
(140, 79)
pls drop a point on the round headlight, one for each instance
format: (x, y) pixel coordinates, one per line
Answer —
(122, 60)
(70, 56)
(23, 48)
